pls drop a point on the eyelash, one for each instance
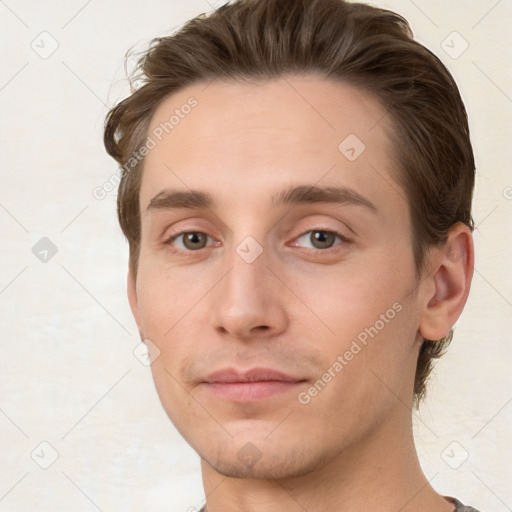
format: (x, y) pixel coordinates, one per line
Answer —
(168, 242)
(337, 234)
(173, 237)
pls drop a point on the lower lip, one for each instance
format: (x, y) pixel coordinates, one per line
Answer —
(250, 391)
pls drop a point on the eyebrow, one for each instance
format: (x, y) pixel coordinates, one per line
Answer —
(302, 194)
(169, 199)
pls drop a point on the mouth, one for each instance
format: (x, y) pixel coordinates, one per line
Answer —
(251, 385)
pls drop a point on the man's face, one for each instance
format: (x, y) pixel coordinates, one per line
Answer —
(323, 292)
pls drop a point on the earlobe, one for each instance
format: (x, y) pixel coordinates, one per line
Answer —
(132, 299)
(448, 283)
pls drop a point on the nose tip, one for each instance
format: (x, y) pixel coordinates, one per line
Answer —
(240, 328)
(248, 303)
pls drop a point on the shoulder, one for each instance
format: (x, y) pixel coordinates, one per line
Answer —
(459, 506)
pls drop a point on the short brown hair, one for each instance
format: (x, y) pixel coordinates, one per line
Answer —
(364, 46)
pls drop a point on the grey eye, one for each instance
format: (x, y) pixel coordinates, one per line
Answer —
(194, 240)
(319, 239)
(322, 239)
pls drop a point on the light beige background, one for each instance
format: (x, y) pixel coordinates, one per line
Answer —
(69, 377)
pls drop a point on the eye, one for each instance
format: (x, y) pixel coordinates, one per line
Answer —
(321, 239)
(189, 241)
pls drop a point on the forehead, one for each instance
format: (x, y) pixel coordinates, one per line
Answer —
(240, 137)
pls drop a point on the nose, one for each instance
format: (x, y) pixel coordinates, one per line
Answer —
(249, 303)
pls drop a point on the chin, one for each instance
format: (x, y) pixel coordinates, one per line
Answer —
(276, 469)
(259, 457)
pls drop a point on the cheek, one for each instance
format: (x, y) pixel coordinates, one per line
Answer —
(165, 309)
(361, 380)
(359, 295)
(366, 333)
(166, 324)
(165, 298)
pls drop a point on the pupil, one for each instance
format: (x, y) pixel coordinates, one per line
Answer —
(322, 239)
(194, 239)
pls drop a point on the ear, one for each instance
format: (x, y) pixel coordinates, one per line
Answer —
(131, 287)
(448, 283)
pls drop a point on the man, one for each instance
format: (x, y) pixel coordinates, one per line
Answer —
(296, 193)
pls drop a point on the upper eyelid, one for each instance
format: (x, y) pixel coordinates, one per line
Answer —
(333, 231)
(173, 236)
(302, 233)
(343, 233)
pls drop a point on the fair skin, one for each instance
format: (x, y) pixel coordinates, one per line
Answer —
(297, 306)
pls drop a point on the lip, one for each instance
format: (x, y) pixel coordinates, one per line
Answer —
(250, 385)
(230, 375)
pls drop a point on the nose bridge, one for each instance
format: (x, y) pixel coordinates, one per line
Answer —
(247, 299)
(247, 281)
(247, 256)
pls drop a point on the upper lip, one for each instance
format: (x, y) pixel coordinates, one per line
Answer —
(252, 375)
